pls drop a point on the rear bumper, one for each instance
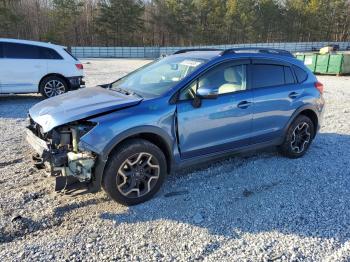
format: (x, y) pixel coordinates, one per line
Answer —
(76, 82)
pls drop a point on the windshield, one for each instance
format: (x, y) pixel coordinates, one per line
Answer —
(158, 77)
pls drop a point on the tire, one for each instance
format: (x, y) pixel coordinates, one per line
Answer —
(131, 176)
(298, 138)
(52, 86)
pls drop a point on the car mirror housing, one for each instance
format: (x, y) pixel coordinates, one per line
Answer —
(207, 93)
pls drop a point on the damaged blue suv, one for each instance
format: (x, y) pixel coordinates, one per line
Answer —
(190, 107)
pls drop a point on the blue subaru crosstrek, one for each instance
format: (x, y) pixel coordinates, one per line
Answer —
(190, 107)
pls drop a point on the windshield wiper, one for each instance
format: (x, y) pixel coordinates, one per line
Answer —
(120, 90)
(133, 93)
(126, 92)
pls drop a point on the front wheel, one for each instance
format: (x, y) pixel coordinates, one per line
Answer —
(134, 172)
(53, 86)
(298, 138)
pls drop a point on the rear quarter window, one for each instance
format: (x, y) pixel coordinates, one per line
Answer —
(69, 53)
(267, 75)
(48, 53)
(288, 75)
(300, 73)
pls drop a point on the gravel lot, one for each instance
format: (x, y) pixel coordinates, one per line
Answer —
(254, 207)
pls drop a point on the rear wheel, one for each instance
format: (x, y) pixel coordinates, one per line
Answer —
(134, 172)
(299, 137)
(52, 86)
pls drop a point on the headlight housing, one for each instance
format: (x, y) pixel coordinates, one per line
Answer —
(84, 127)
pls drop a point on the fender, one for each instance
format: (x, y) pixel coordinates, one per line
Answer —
(96, 182)
(136, 131)
(297, 112)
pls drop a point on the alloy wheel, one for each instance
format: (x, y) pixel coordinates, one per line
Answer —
(138, 175)
(300, 138)
(54, 88)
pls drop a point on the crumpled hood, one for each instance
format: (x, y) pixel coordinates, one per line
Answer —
(79, 104)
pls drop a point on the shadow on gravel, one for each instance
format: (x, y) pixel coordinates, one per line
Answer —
(21, 226)
(11, 162)
(307, 197)
(17, 106)
(62, 211)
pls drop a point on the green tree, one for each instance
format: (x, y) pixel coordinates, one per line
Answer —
(9, 18)
(119, 21)
(241, 19)
(268, 21)
(64, 22)
(210, 21)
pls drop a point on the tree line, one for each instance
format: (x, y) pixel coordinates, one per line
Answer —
(174, 22)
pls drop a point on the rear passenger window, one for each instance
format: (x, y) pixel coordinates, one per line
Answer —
(267, 75)
(20, 51)
(48, 53)
(300, 73)
(288, 75)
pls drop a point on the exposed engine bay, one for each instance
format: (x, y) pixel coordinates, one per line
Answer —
(58, 150)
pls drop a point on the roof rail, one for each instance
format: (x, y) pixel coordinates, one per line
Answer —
(257, 50)
(196, 49)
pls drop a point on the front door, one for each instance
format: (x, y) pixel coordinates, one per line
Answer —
(219, 124)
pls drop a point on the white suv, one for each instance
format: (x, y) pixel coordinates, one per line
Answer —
(37, 67)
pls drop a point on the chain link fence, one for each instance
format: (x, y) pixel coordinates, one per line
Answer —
(155, 52)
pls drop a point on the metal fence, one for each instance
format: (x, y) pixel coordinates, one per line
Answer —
(155, 52)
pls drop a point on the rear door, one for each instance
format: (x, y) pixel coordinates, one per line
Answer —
(275, 97)
(22, 68)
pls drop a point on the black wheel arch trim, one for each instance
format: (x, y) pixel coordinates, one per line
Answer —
(96, 182)
(137, 131)
(298, 112)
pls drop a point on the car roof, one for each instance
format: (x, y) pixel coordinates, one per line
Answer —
(208, 55)
(217, 54)
(29, 42)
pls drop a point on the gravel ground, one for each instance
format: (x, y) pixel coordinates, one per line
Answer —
(254, 207)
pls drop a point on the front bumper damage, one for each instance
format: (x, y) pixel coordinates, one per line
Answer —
(58, 152)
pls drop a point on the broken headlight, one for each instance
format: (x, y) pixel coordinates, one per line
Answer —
(84, 127)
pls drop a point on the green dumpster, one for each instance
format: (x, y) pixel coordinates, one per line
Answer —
(339, 64)
(322, 64)
(310, 61)
(300, 57)
(332, 64)
(335, 64)
(345, 69)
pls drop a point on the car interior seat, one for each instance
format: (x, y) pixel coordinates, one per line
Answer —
(233, 81)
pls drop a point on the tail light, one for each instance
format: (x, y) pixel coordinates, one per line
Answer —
(319, 86)
(79, 66)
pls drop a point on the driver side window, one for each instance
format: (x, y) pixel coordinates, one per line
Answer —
(225, 79)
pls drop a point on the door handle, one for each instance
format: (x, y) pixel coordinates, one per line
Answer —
(244, 104)
(293, 95)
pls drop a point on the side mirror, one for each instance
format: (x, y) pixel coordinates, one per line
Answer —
(207, 93)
